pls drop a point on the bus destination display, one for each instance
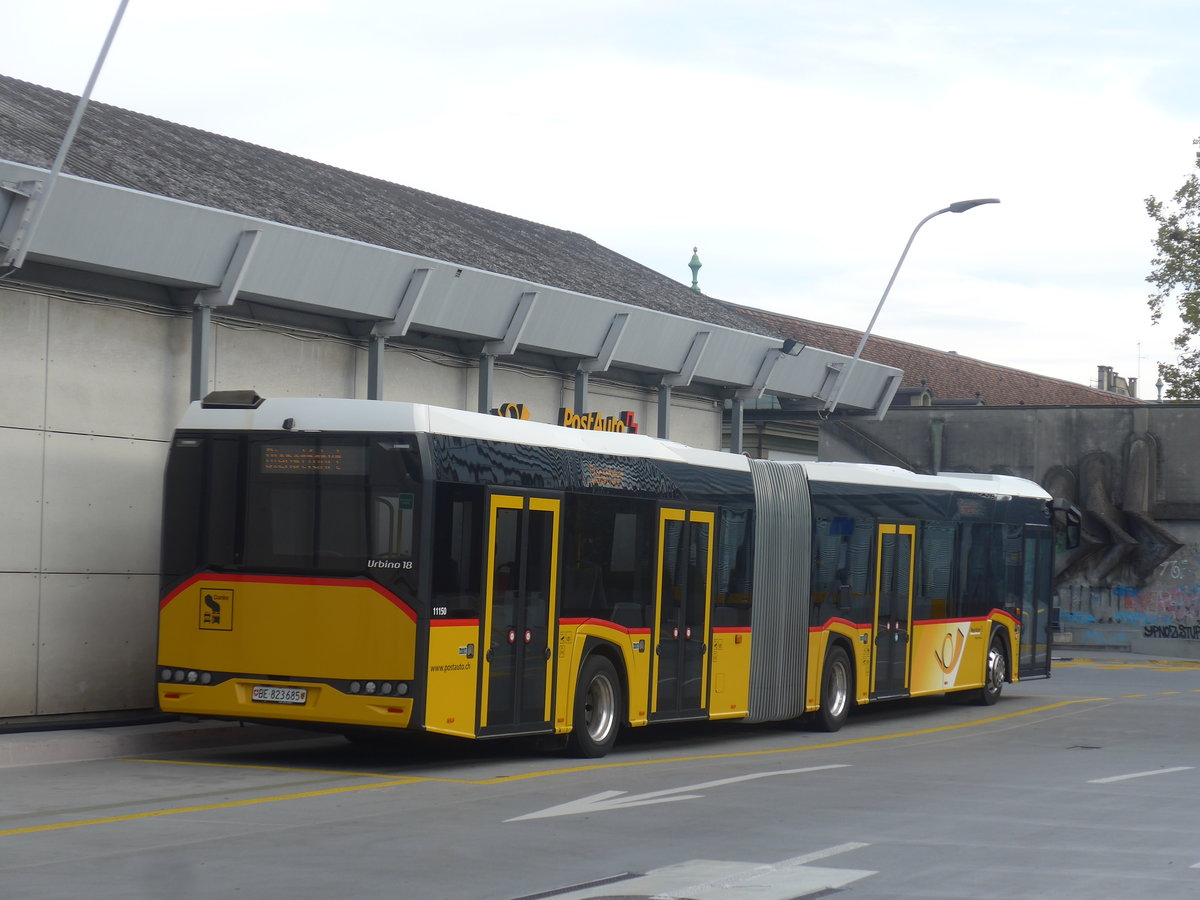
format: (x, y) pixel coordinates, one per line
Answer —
(310, 459)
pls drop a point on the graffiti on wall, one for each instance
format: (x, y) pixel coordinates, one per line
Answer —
(1167, 606)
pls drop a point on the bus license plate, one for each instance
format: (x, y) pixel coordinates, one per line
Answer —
(265, 693)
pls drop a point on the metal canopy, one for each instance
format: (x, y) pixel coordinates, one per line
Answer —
(219, 259)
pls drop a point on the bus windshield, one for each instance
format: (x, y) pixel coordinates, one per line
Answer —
(328, 504)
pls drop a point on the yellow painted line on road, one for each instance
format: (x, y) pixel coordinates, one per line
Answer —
(296, 769)
(1131, 696)
(393, 781)
(180, 810)
(250, 768)
(1170, 665)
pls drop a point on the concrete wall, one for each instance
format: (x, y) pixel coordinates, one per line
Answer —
(1134, 471)
(90, 392)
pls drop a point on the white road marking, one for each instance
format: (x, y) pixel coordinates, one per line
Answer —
(712, 879)
(606, 800)
(783, 874)
(822, 854)
(1139, 775)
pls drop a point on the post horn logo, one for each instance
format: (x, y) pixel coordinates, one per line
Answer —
(952, 650)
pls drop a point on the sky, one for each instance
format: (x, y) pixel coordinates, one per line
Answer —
(796, 143)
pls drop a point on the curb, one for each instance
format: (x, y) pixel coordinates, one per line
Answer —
(45, 747)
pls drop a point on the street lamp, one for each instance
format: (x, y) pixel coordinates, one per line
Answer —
(23, 239)
(960, 206)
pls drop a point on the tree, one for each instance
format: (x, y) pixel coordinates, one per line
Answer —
(1176, 277)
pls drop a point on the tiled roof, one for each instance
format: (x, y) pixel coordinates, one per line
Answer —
(947, 375)
(125, 148)
(132, 150)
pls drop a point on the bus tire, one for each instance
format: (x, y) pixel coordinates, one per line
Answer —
(994, 676)
(837, 690)
(598, 709)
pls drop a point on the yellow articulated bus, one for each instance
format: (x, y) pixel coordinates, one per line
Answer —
(362, 565)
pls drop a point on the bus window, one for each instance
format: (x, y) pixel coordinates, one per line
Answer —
(324, 504)
(305, 505)
(457, 550)
(392, 534)
(1013, 566)
(982, 579)
(394, 479)
(842, 568)
(935, 571)
(733, 568)
(607, 569)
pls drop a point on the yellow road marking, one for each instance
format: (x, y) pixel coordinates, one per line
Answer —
(221, 765)
(1170, 665)
(297, 769)
(393, 781)
(131, 817)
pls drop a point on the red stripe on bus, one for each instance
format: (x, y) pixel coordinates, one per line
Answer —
(443, 623)
(816, 629)
(607, 623)
(292, 579)
(995, 612)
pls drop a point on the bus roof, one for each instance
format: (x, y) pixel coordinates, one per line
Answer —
(327, 414)
(389, 416)
(894, 476)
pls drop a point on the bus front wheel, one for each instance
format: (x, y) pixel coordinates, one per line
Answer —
(597, 715)
(994, 677)
(836, 691)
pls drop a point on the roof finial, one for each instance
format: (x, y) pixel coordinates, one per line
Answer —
(695, 265)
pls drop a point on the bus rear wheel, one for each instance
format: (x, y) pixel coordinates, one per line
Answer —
(836, 691)
(994, 677)
(597, 715)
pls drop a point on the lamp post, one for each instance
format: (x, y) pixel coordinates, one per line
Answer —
(15, 258)
(960, 206)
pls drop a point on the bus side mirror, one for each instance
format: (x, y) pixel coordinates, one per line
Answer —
(1068, 521)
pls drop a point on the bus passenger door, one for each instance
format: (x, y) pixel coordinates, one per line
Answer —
(894, 565)
(679, 682)
(1034, 603)
(520, 600)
